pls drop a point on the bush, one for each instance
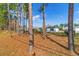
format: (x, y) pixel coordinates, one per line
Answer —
(36, 31)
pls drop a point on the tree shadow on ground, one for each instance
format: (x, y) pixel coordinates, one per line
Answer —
(76, 50)
(45, 48)
(61, 44)
(48, 49)
(57, 42)
(41, 47)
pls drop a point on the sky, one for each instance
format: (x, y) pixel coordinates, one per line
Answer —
(56, 13)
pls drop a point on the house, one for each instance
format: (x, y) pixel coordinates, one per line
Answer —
(56, 29)
(77, 29)
(52, 29)
(65, 28)
(48, 29)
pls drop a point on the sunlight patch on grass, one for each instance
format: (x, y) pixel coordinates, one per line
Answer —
(76, 39)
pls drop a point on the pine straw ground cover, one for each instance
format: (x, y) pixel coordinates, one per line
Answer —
(12, 44)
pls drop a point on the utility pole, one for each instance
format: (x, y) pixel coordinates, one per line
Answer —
(70, 27)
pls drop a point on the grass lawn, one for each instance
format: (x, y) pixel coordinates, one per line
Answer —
(59, 33)
(76, 36)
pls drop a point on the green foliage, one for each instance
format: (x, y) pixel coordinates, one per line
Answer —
(13, 6)
(3, 14)
(61, 26)
(43, 7)
(56, 26)
(39, 30)
(25, 6)
(4, 11)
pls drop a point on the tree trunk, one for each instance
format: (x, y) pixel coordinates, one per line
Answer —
(26, 20)
(8, 17)
(44, 23)
(31, 39)
(70, 27)
(15, 26)
(18, 18)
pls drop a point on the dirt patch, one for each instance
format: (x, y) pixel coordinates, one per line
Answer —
(12, 44)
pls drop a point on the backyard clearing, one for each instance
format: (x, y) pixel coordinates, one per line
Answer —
(12, 44)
